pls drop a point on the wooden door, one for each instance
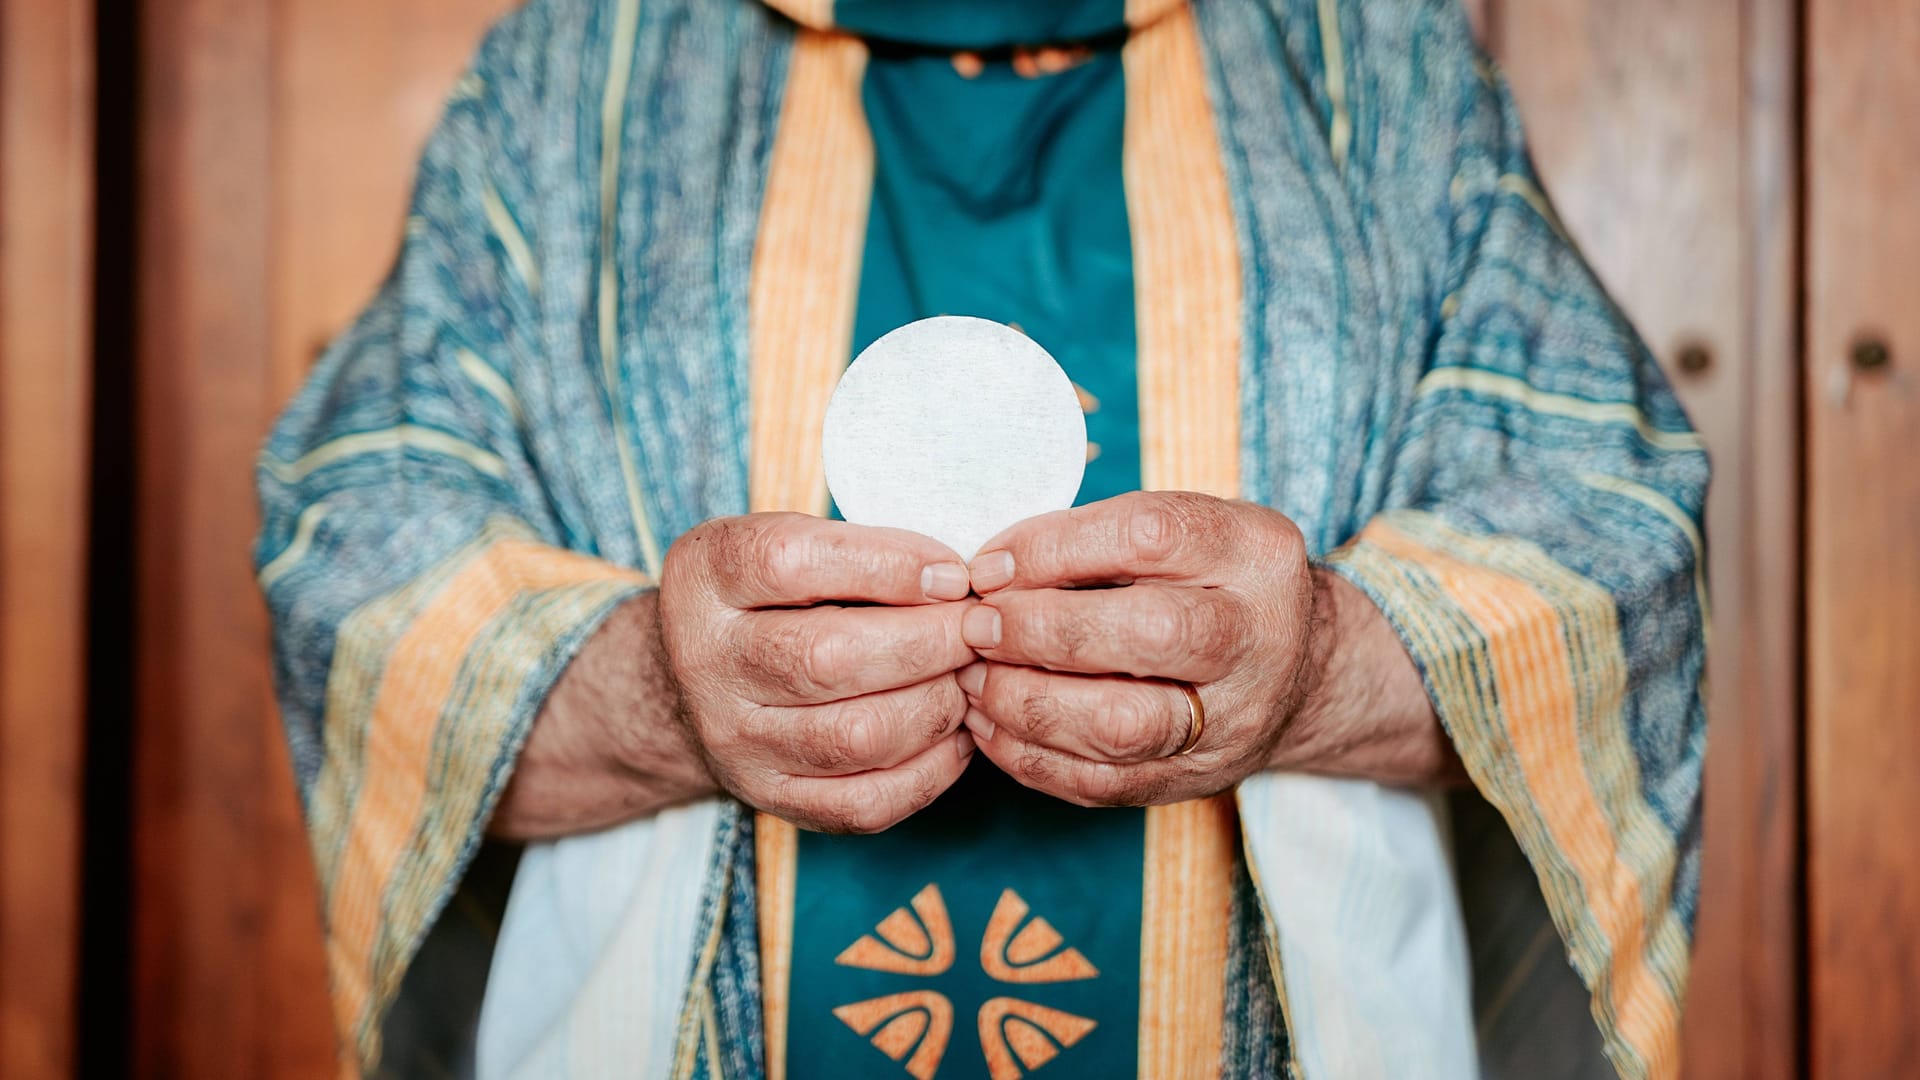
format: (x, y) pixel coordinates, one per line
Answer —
(278, 142)
(1663, 131)
(1863, 536)
(46, 329)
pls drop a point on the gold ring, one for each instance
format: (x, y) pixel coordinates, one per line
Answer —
(1196, 718)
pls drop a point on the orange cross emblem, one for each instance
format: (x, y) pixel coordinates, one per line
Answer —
(915, 1027)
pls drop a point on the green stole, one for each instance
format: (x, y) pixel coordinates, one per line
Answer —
(1041, 928)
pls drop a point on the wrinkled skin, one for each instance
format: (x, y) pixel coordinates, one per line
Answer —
(814, 662)
(1073, 696)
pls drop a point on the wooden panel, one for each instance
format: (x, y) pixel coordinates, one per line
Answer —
(1749, 961)
(359, 85)
(206, 759)
(1663, 133)
(1863, 517)
(46, 261)
(278, 143)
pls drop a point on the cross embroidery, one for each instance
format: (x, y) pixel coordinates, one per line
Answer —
(915, 1026)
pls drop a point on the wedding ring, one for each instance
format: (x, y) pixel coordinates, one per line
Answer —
(1196, 718)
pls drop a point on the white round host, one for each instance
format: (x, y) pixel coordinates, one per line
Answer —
(954, 427)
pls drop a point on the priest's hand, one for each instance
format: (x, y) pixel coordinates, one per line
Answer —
(815, 661)
(803, 666)
(1092, 617)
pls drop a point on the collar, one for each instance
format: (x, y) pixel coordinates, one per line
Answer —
(975, 24)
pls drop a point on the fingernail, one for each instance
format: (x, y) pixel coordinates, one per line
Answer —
(981, 628)
(945, 581)
(981, 727)
(973, 678)
(992, 570)
(963, 746)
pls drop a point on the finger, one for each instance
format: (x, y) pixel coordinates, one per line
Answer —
(1080, 781)
(1163, 631)
(792, 560)
(1109, 718)
(871, 802)
(1141, 536)
(818, 655)
(877, 731)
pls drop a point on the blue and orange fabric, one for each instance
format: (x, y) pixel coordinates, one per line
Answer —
(633, 244)
(996, 191)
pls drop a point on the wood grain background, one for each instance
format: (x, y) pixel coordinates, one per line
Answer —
(1863, 536)
(276, 140)
(46, 263)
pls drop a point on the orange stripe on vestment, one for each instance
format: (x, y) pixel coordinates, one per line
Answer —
(806, 269)
(1187, 298)
(806, 278)
(1591, 628)
(362, 648)
(1535, 684)
(422, 673)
